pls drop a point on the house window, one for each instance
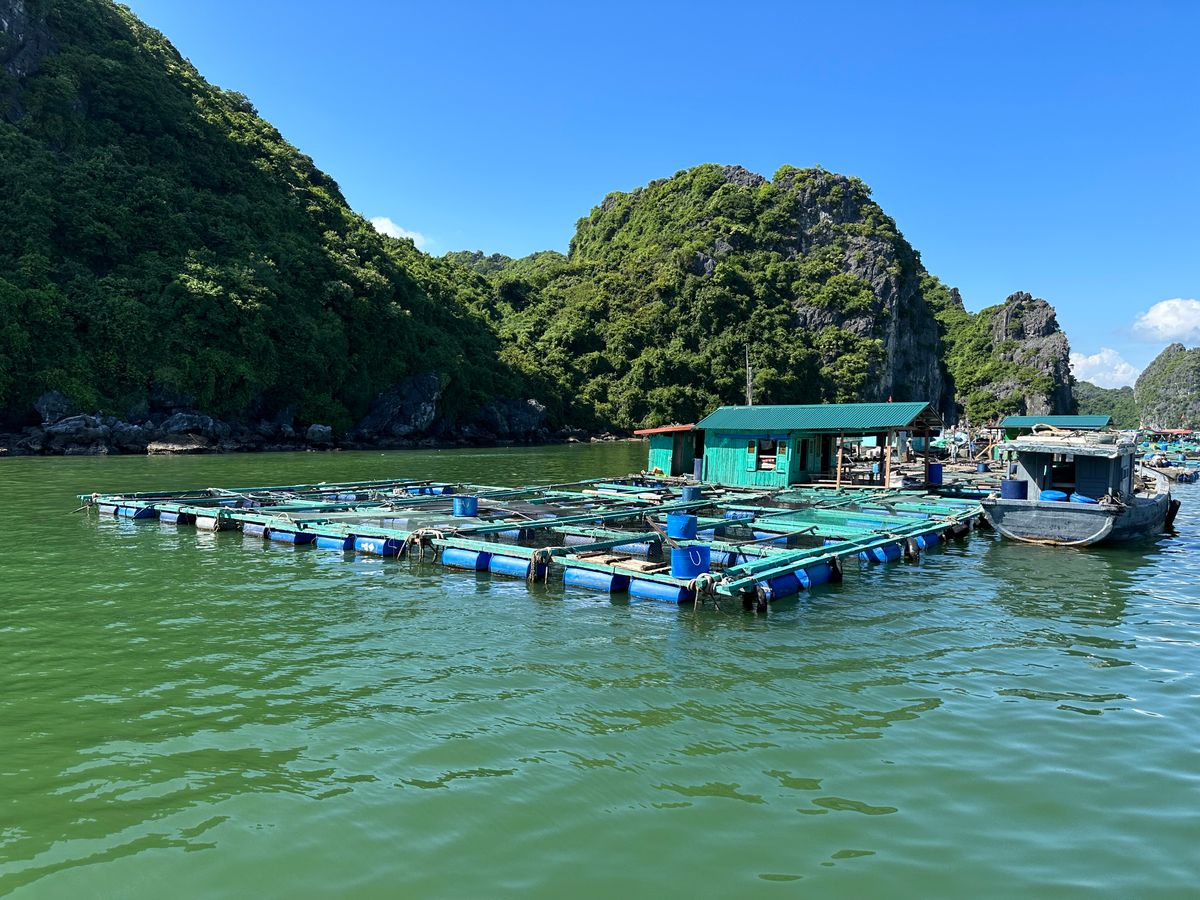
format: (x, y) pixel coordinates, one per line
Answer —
(766, 454)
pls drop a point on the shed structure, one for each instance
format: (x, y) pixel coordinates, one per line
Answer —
(674, 449)
(776, 446)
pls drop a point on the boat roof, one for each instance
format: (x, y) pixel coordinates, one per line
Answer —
(1078, 445)
(1072, 422)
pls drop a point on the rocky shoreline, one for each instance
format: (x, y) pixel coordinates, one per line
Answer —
(405, 417)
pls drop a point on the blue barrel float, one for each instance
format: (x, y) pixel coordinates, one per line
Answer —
(1053, 496)
(886, 553)
(515, 566)
(335, 543)
(1014, 489)
(935, 473)
(982, 467)
(466, 505)
(455, 558)
(692, 493)
(688, 562)
(657, 590)
(592, 580)
(378, 546)
(1080, 498)
(289, 537)
(681, 526)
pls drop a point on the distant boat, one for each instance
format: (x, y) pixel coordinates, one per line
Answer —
(1072, 489)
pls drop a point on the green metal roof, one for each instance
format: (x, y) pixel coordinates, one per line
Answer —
(833, 417)
(1073, 422)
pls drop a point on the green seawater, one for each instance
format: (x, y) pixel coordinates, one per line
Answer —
(189, 715)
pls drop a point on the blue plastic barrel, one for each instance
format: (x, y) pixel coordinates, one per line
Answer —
(688, 562)
(1079, 498)
(681, 526)
(1054, 496)
(466, 505)
(698, 469)
(692, 493)
(1014, 489)
(981, 467)
(935, 473)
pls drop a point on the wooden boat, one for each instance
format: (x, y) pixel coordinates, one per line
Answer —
(1081, 489)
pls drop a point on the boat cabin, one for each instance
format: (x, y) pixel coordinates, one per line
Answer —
(1090, 466)
(776, 446)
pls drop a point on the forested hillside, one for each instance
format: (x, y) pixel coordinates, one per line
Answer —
(1116, 402)
(1008, 358)
(161, 246)
(648, 318)
(1168, 390)
(170, 264)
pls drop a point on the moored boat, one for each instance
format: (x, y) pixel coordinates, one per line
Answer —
(1073, 489)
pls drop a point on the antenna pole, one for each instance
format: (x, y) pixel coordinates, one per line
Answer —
(749, 379)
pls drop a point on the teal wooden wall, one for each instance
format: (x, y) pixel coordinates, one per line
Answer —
(663, 454)
(660, 453)
(727, 462)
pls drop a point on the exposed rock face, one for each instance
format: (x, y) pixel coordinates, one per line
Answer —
(53, 406)
(27, 41)
(1168, 390)
(1025, 332)
(319, 434)
(514, 420)
(403, 410)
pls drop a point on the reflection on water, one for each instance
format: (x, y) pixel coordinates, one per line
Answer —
(194, 714)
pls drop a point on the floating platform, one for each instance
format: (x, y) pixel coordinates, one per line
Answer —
(601, 535)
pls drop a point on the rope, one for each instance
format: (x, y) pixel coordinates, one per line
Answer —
(541, 557)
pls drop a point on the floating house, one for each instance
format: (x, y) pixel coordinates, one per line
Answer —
(1013, 426)
(777, 446)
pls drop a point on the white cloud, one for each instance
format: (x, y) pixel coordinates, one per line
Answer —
(384, 225)
(1104, 369)
(1170, 320)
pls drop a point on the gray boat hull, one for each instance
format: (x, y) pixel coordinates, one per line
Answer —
(1078, 524)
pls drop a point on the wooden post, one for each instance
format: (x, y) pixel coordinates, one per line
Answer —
(887, 462)
(838, 481)
(926, 456)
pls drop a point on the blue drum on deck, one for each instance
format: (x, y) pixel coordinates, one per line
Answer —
(681, 526)
(1014, 489)
(466, 505)
(688, 562)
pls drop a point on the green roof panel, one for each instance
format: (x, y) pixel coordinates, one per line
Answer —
(831, 417)
(1072, 422)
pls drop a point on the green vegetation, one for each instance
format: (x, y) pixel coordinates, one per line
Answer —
(1168, 390)
(976, 363)
(157, 236)
(647, 320)
(1116, 402)
(158, 239)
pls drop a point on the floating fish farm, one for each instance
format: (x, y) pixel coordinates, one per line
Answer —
(654, 538)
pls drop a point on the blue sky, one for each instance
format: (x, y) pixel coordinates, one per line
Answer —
(1043, 146)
